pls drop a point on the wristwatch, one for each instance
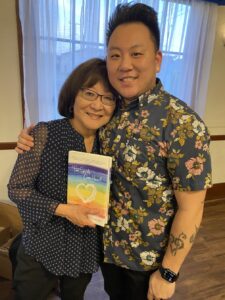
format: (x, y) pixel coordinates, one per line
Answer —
(168, 275)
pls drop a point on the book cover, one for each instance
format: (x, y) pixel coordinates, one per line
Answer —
(89, 182)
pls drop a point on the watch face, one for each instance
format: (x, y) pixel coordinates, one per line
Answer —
(168, 275)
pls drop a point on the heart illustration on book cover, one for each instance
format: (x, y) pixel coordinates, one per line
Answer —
(86, 192)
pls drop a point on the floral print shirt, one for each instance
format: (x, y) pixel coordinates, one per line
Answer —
(158, 145)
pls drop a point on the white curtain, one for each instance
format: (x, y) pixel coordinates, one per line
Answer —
(60, 34)
(186, 76)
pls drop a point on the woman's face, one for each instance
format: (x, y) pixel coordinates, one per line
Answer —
(90, 115)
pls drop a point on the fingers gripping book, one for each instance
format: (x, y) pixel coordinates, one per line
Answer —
(89, 182)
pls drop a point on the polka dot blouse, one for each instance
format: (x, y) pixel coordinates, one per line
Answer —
(37, 185)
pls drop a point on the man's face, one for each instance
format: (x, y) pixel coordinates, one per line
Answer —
(132, 60)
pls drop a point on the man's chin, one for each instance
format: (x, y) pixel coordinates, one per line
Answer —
(130, 97)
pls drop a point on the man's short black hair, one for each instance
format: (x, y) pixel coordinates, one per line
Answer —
(131, 13)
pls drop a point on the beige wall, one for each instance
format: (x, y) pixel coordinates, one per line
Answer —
(10, 95)
(217, 149)
(10, 98)
(215, 108)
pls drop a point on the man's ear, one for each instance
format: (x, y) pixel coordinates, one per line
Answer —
(158, 60)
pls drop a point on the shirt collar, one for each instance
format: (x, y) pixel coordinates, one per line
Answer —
(151, 94)
(145, 98)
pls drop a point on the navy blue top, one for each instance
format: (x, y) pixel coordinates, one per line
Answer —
(37, 185)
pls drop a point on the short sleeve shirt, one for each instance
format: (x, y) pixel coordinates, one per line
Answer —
(158, 145)
(38, 184)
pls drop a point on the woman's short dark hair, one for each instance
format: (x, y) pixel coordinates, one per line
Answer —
(134, 13)
(86, 74)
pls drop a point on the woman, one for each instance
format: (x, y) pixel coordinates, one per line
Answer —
(59, 242)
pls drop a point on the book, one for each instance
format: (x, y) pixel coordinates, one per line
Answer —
(89, 182)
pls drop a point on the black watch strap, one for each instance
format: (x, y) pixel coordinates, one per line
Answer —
(168, 275)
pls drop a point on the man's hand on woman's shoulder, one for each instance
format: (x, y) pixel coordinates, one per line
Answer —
(25, 141)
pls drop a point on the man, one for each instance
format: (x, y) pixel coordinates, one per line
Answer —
(161, 165)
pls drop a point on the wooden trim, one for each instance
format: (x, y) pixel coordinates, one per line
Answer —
(20, 50)
(217, 137)
(216, 192)
(7, 146)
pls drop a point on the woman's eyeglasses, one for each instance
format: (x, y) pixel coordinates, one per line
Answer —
(91, 95)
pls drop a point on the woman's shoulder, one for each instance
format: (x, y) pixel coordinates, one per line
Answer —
(45, 130)
(51, 125)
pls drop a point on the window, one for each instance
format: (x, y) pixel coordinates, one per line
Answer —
(60, 34)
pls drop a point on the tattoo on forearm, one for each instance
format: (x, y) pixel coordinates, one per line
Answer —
(193, 236)
(177, 243)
